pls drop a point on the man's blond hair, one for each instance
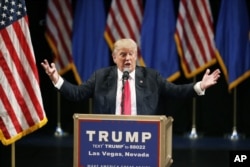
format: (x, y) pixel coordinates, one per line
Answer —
(124, 43)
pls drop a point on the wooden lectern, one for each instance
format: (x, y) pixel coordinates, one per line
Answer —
(122, 141)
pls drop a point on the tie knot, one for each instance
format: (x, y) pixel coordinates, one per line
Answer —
(127, 78)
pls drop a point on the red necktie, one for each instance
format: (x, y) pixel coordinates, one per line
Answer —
(127, 99)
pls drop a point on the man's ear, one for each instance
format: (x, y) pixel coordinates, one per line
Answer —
(114, 58)
(136, 57)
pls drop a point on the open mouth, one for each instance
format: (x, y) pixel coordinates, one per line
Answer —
(127, 65)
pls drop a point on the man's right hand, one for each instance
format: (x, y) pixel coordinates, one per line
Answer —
(50, 70)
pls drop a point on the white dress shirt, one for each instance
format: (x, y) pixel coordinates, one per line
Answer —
(119, 93)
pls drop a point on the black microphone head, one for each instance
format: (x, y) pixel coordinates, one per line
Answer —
(125, 75)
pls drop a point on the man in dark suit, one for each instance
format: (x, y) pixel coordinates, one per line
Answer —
(147, 85)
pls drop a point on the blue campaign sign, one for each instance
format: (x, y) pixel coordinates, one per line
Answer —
(118, 143)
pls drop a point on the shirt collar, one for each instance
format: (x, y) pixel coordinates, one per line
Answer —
(131, 74)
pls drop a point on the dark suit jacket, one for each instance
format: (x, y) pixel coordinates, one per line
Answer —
(149, 85)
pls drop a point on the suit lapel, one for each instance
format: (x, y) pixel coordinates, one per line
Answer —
(140, 86)
(112, 88)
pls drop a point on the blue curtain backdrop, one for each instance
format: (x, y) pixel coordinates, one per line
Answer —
(90, 50)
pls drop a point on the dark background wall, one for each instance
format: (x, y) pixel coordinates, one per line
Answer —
(214, 111)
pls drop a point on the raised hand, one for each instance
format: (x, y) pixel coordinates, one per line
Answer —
(209, 79)
(50, 70)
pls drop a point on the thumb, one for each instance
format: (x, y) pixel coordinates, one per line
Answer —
(53, 65)
(207, 71)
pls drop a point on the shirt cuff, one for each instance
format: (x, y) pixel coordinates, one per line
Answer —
(59, 83)
(198, 90)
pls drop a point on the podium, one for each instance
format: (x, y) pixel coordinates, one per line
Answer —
(122, 141)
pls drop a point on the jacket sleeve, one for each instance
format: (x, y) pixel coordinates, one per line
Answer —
(172, 90)
(78, 92)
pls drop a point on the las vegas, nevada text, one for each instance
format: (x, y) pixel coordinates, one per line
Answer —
(128, 148)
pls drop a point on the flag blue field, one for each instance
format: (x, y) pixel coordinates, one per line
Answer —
(157, 38)
(232, 41)
(90, 50)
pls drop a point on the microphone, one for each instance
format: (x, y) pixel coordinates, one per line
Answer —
(125, 75)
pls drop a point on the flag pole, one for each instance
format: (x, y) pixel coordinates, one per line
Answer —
(59, 132)
(234, 135)
(193, 134)
(13, 157)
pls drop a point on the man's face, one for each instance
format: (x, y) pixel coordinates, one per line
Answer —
(125, 58)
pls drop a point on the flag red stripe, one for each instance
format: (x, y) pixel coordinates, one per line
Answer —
(116, 25)
(123, 23)
(57, 54)
(24, 77)
(60, 35)
(51, 35)
(191, 51)
(180, 42)
(208, 14)
(194, 28)
(30, 58)
(25, 46)
(21, 101)
(64, 46)
(197, 39)
(135, 16)
(188, 43)
(63, 18)
(125, 19)
(205, 30)
(19, 98)
(10, 110)
(4, 129)
(48, 31)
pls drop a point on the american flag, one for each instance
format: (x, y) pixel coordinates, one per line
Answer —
(21, 107)
(124, 21)
(59, 33)
(195, 37)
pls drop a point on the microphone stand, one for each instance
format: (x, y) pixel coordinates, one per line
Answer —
(59, 131)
